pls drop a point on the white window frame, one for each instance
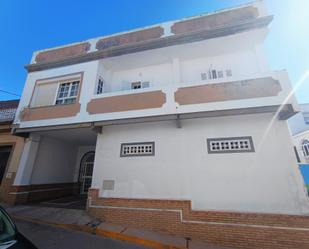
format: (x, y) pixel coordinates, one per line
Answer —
(305, 149)
(97, 86)
(137, 149)
(142, 84)
(230, 145)
(135, 83)
(69, 91)
(208, 75)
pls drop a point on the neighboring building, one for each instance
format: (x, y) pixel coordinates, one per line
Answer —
(11, 148)
(299, 128)
(156, 121)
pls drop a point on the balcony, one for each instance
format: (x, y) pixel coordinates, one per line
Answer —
(262, 93)
(234, 95)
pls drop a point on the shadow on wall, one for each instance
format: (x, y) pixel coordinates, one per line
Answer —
(304, 168)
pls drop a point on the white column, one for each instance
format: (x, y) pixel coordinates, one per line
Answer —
(24, 172)
(176, 70)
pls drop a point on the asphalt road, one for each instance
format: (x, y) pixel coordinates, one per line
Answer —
(49, 237)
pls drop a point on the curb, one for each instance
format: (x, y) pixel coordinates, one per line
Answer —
(100, 232)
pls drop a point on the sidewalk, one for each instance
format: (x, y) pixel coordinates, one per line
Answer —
(81, 221)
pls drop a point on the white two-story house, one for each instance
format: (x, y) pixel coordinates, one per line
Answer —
(181, 114)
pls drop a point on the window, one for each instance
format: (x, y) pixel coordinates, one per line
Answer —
(136, 85)
(305, 147)
(139, 85)
(67, 93)
(137, 149)
(230, 145)
(100, 85)
(220, 74)
(215, 74)
(228, 73)
(54, 90)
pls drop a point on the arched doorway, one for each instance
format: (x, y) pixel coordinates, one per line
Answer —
(85, 174)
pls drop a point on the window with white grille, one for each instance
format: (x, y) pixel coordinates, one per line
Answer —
(230, 145)
(305, 147)
(139, 85)
(137, 149)
(67, 93)
(100, 86)
(215, 74)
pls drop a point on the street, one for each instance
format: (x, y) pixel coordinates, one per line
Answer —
(49, 237)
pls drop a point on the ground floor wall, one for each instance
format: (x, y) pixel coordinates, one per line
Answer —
(251, 199)
(264, 180)
(17, 144)
(230, 229)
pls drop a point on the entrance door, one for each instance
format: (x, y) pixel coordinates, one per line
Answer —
(86, 169)
(4, 158)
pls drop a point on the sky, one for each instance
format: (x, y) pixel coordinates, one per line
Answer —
(30, 25)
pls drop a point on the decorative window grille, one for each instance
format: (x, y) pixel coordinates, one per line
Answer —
(230, 145)
(137, 149)
(100, 85)
(214, 74)
(220, 74)
(136, 85)
(67, 93)
(139, 85)
(305, 147)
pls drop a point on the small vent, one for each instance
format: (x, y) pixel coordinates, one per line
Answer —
(230, 145)
(137, 149)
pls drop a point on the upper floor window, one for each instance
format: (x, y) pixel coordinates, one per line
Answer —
(100, 86)
(139, 85)
(67, 93)
(305, 147)
(58, 90)
(216, 74)
(136, 85)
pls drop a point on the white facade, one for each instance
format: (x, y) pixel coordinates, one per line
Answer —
(265, 179)
(167, 69)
